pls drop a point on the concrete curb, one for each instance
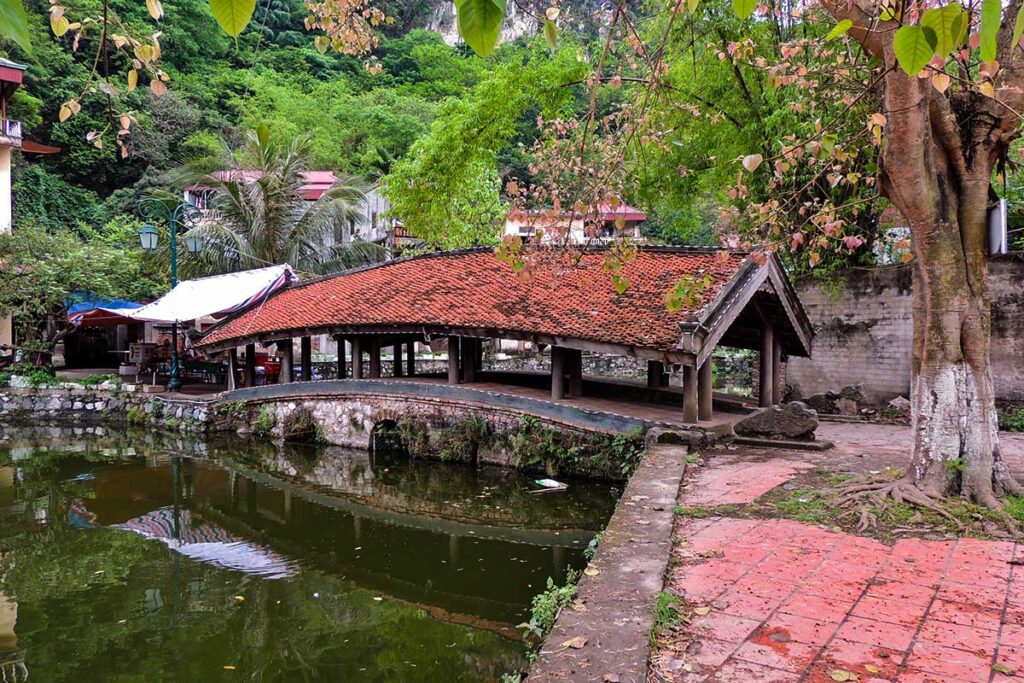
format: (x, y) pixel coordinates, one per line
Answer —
(631, 562)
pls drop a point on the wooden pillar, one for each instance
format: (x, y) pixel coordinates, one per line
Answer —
(287, 360)
(777, 384)
(453, 360)
(766, 379)
(655, 370)
(396, 362)
(306, 358)
(574, 367)
(250, 365)
(375, 356)
(557, 373)
(690, 410)
(232, 369)
(469, 359)
(357, 357)
(705, 382)
(410, 358)
(342, 369)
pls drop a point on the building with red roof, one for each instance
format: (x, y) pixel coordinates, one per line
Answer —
(569, 304)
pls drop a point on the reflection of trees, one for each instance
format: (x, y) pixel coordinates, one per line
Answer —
(103, 604)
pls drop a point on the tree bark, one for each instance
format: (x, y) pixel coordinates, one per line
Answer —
(938, 155)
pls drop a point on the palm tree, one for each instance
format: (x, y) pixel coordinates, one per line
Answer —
(260, 217)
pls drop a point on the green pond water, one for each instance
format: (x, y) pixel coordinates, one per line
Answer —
(135, 557)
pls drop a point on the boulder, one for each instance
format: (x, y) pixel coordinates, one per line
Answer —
(792, 421)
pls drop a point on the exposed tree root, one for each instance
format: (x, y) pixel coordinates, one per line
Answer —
(863, 493)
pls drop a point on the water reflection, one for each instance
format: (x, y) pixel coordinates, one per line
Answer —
(123, 559)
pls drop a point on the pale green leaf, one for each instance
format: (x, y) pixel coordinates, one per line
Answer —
(839, 29)
(744, 8)
(947, 22)
(233, 15)
(480, 23)
(1018, 28)
(991, 15)
(551, 33)
(914, 47)
(14, 23)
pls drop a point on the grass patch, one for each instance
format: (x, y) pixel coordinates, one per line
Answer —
(545, 609)
(669, 614)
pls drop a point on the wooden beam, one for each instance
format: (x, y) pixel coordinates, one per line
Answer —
(690, 408)
(287, 361)
(375, 357)
(410, 358)
(705, 382)
(250, 365)
(574, 367)
(453, 360)
(776, 371)
(306, 358)
(396, 363)
(469, 359)
(342, 370)
(557, 373)
(357, 356)
(655, 369)
(232, 369)
(766, 379)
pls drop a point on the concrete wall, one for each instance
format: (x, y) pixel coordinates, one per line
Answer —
(864, 332)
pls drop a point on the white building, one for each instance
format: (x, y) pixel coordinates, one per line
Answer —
(606, 224)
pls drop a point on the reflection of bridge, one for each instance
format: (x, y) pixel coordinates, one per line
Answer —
(563, 538)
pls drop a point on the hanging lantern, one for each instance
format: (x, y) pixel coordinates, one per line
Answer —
(149, 237)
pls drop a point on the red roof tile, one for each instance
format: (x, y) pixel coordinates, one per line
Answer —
(473, 289)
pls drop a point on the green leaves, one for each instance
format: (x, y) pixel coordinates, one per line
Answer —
(232, 15)
(14, 23)
(914, 47)
(1018, 28)
(991, 15)
(949, 24)
(839, 29)
(744, 8)
(480, 23)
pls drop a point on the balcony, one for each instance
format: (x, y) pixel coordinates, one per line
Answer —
(10, 133)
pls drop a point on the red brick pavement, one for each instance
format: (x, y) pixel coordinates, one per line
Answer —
(795, 602)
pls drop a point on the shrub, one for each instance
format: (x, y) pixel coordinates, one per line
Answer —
(301, 427)
(263, 425)
(545, 608)
(1012, 420)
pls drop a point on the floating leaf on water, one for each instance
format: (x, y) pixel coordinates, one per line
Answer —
(240, 598)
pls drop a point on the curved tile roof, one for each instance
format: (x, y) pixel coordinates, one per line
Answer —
(472, 289)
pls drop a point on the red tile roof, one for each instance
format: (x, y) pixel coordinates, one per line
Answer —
(473, 289)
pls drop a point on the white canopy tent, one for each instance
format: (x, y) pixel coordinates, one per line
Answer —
(214, 296)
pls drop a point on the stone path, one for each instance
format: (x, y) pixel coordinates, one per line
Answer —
(780, 601)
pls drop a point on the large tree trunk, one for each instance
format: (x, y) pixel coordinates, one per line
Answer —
(945, 200)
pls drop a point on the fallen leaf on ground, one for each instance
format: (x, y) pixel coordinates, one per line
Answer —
(590, 571)
(575, 643)
(842, 675)
(702, 611)
(1003, 669)
(611, 678)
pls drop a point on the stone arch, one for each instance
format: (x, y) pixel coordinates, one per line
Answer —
(386, 436)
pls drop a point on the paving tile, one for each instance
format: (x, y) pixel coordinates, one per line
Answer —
(946, 661)
(879, 633)
(892, 611)
(711, 652)
(782, 627)
(736, 670)
(980, 641)
(816, 607)
(973, 594)
(834, 588)
(1012, 657)
(1012, 635)
(909, 593)
(791, 656)
(748, 605)
(922, 677)
(862, 659)
(727, 627)
(967, 615)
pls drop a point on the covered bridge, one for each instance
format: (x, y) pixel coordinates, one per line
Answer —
(570, 304)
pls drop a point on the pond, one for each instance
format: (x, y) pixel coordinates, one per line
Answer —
(139, 557)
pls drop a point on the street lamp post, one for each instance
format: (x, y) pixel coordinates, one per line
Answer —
(182, 214)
